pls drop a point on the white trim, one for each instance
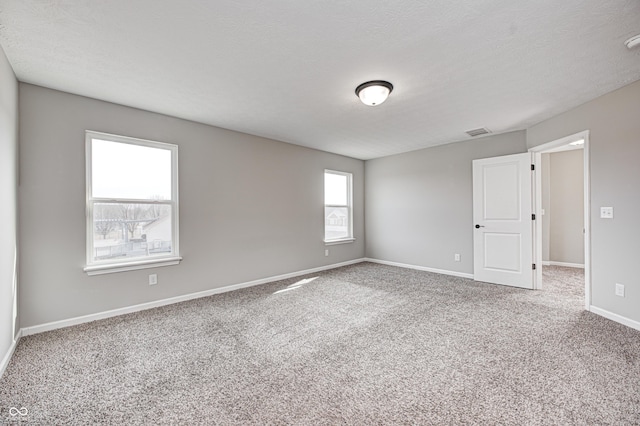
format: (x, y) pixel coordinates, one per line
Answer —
(343, 241)
(131, 266)
(537, 224)
(615, 317)
(421, 268)
(587, 220)
(565, 264)
(7, 357)
(27, 331)
(550, 146)
(546, 147)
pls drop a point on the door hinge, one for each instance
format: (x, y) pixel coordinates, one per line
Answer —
(533, 216)
(533, 167)
(533, 266)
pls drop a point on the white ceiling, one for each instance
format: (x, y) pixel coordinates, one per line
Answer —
(287, 69)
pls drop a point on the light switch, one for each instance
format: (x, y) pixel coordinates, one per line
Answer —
(606, 212)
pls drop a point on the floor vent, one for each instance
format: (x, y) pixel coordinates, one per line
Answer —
(478, 132)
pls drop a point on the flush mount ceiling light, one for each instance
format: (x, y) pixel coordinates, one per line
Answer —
(633, 42)
(375, 92)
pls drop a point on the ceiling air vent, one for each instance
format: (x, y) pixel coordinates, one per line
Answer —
(478, 132)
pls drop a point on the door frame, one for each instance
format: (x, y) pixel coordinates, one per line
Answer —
(537, 205)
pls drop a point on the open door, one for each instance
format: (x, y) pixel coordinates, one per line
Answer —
(502, 214)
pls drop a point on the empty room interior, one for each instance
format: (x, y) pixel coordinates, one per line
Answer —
(319, 212)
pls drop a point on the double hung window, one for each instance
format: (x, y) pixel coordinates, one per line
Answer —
(338, 214)
(132, 203)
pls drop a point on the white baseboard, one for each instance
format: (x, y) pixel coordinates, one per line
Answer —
(565, 264)
(615, 317)
(421, 268)
(27, 331)
(7, 357)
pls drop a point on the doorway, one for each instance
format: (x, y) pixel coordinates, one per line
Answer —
(564, 251)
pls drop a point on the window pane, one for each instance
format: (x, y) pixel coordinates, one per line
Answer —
(336, 223)
(335, 189)
(128, 231)
(121, 170)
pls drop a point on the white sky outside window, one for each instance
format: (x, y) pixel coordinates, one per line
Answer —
(143, 173)
(335, 189)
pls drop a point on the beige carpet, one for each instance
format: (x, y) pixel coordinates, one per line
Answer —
(364, 344)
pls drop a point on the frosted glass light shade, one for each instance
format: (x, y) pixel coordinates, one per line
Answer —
(374, 93)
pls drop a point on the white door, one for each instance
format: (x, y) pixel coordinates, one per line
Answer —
(502, 215)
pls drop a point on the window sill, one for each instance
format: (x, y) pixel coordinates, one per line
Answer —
(334, 242)
(131, 266)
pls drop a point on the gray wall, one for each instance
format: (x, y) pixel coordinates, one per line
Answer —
(545, 170)
(614, 157)
(419, 204)
(250, 207)
(566, 239)
(8, 205)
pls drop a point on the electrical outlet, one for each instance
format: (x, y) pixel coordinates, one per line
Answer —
(456, 257)
(153, 279)
(620, 290)
(606, 212)
(326, 252)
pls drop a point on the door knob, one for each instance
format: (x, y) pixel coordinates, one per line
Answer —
(479, 226)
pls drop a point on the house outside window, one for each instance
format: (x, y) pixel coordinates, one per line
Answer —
(132, 203)
(338, 214)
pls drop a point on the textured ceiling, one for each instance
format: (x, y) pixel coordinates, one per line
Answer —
(287, 69)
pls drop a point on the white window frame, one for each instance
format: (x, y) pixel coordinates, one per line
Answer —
(110, 266)
(349, 206)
